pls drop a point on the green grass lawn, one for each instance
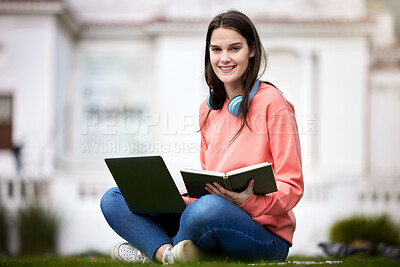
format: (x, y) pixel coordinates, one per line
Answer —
(106, 261)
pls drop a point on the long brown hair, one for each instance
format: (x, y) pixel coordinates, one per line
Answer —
(240, 23)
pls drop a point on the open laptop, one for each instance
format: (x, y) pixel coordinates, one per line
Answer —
(146, 184)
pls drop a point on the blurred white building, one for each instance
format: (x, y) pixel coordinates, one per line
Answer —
(85, 80)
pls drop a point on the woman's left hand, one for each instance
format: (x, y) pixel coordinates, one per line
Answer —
(237, 198)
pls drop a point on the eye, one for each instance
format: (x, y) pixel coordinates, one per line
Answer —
(235, 48)
(215, 49)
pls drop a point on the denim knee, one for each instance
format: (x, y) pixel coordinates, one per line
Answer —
(206, 210)
(106, 202)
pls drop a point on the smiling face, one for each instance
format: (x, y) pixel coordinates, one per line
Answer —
(229, 57)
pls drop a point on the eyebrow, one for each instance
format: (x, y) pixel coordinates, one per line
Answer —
(233, 44)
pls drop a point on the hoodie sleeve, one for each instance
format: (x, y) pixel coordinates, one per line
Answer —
(287, 166)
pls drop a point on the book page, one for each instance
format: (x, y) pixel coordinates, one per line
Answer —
(204, 172)
(248, 168)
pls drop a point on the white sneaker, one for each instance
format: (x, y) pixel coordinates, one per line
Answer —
(127, 253)
(184, 251)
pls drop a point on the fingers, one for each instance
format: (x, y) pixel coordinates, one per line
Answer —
(250, 187)
(212, 189)
(237, 198)
(217, 189)
(220, 187)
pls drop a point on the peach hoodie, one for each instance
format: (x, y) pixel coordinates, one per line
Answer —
(273, 138)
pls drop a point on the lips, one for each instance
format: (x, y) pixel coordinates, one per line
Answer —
(227, 68)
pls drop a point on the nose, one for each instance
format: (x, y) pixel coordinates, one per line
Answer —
(225, 57)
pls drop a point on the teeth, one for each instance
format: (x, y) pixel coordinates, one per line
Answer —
(229, 68)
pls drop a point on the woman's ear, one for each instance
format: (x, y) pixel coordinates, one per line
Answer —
(252, 51)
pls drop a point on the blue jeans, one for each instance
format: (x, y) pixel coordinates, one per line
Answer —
(214, 224)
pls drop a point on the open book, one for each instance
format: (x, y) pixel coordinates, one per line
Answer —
(236, 180)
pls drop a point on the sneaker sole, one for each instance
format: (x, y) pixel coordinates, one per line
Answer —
(115, 256)
(114, 253)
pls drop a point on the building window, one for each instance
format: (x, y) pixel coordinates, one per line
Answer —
(5, 122)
